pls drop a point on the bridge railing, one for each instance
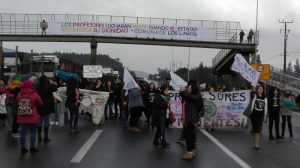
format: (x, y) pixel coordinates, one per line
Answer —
(284, 81)
(234, 39)
(29, 24)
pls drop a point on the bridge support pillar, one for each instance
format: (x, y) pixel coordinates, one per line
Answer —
(246, 56)
(220, 80)
(234, 81)
(94, 44)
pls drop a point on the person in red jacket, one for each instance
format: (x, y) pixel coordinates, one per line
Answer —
(30, 119)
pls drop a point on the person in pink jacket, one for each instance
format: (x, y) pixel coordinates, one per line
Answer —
(28, 120)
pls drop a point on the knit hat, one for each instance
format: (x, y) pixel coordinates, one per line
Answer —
(26, 85)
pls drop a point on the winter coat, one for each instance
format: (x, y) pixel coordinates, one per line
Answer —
(135, 98)
(35, 101)
(193, 105)
(287, 105)
(159, 110)
(47, 98)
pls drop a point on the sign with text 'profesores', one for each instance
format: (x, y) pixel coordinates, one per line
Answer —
(92, 71)
(194, 33)
(222, 110)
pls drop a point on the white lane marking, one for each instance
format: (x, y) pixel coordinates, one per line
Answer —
(225, 149)
(86, 147)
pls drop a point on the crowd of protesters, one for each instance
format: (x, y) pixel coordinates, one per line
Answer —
(128, 106)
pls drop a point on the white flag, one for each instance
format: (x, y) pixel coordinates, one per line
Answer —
(241, 66)
(129, 82)
(177, 82)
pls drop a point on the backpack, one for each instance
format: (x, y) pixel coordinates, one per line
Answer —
(24, 106)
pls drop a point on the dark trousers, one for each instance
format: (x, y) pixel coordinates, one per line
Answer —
(147, 111)
(160, 132)
(24, 128)
(287, 119)
(190, 136)
(274, 118)
(135, 114)
(74, 114)
(118, 105)
(15, 125)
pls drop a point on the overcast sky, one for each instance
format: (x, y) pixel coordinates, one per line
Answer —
(149, 58)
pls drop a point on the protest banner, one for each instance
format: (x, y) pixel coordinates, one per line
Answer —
(92, 71)
(241, 66)
(92, 102)
(222, 110)
(132, 30)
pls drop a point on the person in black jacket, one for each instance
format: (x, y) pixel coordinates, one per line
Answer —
(72, 103)
(44, 89)
(160, 106)
(193, 104)
(109, 88)
(274, 112)
(118, 97)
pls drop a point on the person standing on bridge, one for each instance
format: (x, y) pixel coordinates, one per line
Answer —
(274, 110)
(258, 114)
(44, 26)
(242, 34)
(287, 104)
(250, 36)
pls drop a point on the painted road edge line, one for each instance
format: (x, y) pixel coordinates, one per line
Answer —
(86, 147)
(226, 150)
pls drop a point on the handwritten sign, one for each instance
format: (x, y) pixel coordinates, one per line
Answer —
(222, 110)
(241, 66)
(92, 71)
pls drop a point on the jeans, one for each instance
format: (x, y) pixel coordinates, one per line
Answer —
(44, 121)
(74, 114)
(190, 136)
(118, 105)
(274, 117)
(108, 105)
(24, 128)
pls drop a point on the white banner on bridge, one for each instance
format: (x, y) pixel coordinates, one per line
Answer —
(145, 31)
(241, 66)
(92, 71)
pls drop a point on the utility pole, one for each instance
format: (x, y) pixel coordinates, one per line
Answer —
(286, 32)
(31, 55)
(1, 60)
(16, 60)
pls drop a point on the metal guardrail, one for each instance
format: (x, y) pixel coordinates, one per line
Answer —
(285, 81)
(29, 24)
(234, 39)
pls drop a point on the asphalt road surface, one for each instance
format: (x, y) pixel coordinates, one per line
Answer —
(111, 146)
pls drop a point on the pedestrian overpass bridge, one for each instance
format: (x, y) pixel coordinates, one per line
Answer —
(211, 34)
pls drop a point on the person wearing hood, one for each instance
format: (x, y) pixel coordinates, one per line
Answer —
(28, 117)
(287, 104)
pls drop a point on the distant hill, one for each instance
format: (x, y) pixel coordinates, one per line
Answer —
(84, 59)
